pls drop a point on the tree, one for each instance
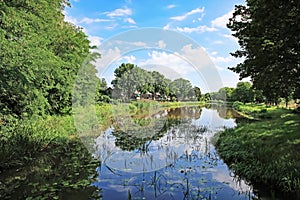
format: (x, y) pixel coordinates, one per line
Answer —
(40, 56)
(130, 78)
(102, 94)
(197, 92)
(268, 34)
(181, 88)
(243, 92)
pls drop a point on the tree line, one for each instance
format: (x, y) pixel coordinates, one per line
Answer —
(133, 82)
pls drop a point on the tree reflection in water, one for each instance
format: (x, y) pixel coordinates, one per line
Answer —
(177, 162)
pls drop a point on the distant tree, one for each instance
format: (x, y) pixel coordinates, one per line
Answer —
(197, 93)
(181, 87)
(130, 78)
(243, 92)
(160, 84)
(102, 94)
(206, 97)
(224, 94)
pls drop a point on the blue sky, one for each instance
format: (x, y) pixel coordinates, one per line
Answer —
(200, 21)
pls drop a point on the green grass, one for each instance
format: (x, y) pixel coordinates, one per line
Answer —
(265, 150)
(20, 140)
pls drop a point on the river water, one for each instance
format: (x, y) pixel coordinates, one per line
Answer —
(169, 155)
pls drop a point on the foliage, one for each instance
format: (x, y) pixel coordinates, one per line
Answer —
(131, 79)
(268, 34)
(40, 55)
(243, 92)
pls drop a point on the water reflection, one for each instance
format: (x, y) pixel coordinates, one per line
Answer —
(176, 161)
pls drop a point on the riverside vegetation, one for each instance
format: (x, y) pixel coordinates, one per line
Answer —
(265, 148)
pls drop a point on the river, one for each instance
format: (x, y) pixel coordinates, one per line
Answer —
(170, 156)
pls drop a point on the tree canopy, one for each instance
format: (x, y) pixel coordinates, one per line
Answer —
(40, 56)
(268, 34)
(130, 79)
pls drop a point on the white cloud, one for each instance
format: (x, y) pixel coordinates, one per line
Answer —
(221, 22)
(129, 59)
(69, 18)
(214, 53)
(177, 64)
(120, 12)
(171, 6)
(171, 65)
(198, 29)
(130, 20)
(88, 20)
(107, 58)
(220, 59)
(184, 16)
(161, 44)
(167, 26)
(95, 40)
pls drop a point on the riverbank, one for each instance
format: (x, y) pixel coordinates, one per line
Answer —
(265, 149)
(22, 139)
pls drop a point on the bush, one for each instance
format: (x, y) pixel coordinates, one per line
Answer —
(237, 105)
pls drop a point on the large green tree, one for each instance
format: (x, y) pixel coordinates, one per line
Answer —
(40, 56)
(268, 34)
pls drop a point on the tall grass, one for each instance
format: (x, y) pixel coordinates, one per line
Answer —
(20, 140)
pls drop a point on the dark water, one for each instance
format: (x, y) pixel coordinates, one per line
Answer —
(170, 156)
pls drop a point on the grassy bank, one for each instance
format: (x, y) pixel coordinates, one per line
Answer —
(265, 149)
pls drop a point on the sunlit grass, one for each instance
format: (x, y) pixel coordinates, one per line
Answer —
(265, 150)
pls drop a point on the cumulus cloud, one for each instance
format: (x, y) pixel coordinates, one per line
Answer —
(95, 40)
(129, 59)
(69, 18)
(184, 16)
(220, 22)
(108, 56)
(171, 65)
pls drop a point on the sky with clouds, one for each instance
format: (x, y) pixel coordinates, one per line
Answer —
(187, 39)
